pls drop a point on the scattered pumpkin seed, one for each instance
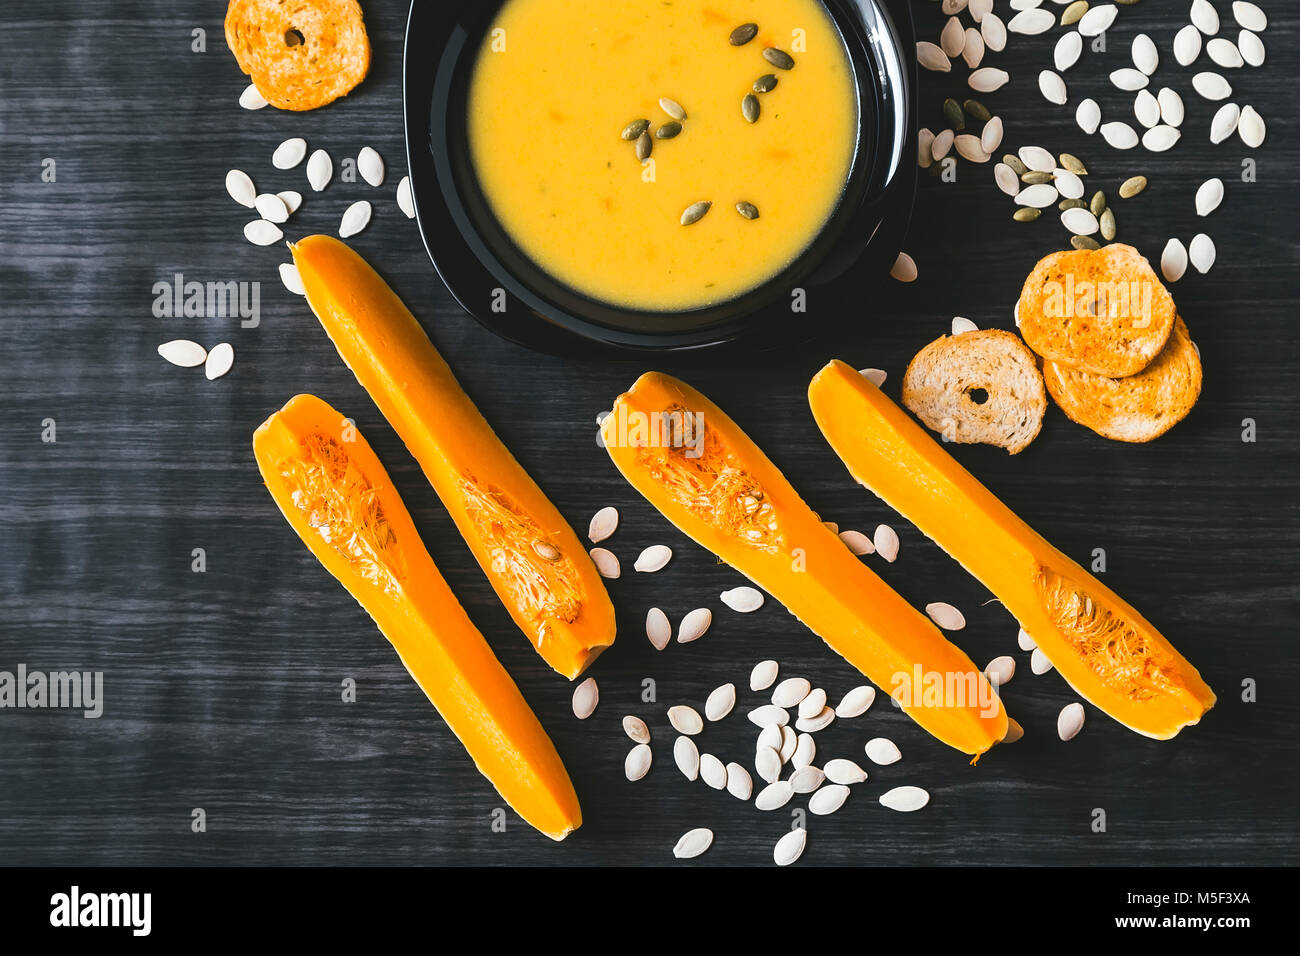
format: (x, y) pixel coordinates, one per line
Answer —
(766, 83)
(977, 110)
(1084, 242)
(1012, 160)
(1036, 177)
(1026, 214)
(1073, 164)
(672, 108)
(1074, 13)
(695, 212)
(743, 34)
(1098, 203)
(778, 58)
(952, 112)
(1132, 187)
(635, 128)
(749, 108)
(1108, 225)
(546, 551)
(644, 147)
(1065, 204)
(668, 130)
(747, 209)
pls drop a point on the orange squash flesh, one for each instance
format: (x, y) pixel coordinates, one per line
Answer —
(338, 498)
(533, 559)
(733, 501)
(1105, 650)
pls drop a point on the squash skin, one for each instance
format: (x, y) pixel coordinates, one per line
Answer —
(391, 355)
(835, 594)
(434, 637)
(1154, 691)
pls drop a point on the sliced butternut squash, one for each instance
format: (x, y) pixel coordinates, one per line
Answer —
(709, 479)
(1105, 650)
(340, 501)
(534, 560)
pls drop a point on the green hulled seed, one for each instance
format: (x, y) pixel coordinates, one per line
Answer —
(1073, 164)
(1108, 225)
(1084, 242)
(765, 83)
(1012, 160)
(1074, 12)
(1065, 204)
(749, 108)
(953, 114)
(1036, 177)
(644, 147)
(668, 130)
(977, 110)
(1132, 187)
(1098, 203)
(743, 34)
(747, 209)
(672, 108)
(778, 58)
(695, 212)
(1027, 214)
(634, 129)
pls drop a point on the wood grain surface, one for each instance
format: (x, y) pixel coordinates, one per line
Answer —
(223, 688)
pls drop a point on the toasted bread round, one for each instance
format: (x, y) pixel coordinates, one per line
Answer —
(1103, 311)
(946, 379)
(300, 54)
(1136, 408)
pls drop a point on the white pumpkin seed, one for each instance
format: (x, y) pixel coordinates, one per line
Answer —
(979, 9)
(371, 166)
(1249, 15)
(183, 352)
(904, 268)
(813, 704)
(969, 148)
(1026, 642)
(1014, 731)
(1201, 253)
(1251, 127)
(260, 232)
(320, 170)
(1145, 55)
(790, 691)
(658, 629)
(743, 600)
(585, 698)
(720, 702)
(991, 135)
(1171, 107)
(828, 799)
(961, 324)
(685, 720)
(291, 278)
(1251, 47)
(931, 57)
(1146, 108)
(763, 675)
(811, 725)
(653, 558)
(693, 843)
(220, 360)
(1225, 53)
(1067, 184)
(292, 199)
(774, 796)
(636, 729)
(240, 187)
(939, 149)
(289, 153)
(769, 714)
(271, 208)
(987, 79)
(805, 751)
(1070, 721)
(252, 99)
(739, 783)
(1068, 50)
(789, 743)
(1037, 158)
(1204, 17)
(767, 762)
(1088, 115)
(886, 542)
(355, 218)
(1160, 138)
(1038, 662)
(1031, 22)
(856, 702)
(1187, 45)
(1225, 122)
(882, 751)
(1006, 179)
(606, 562)
(1052, 87)
(806, 779)
(1129, 79)
(790, 847)
(1000, 670)
(945, 615)
(770, 736)
(844, 772)
(924, 143)
(603, 524)
(1119, 135)
(1211, 86)
(713, 771)
(687, 757)
(405, 200)
(904, 799)
(1209, 196)
(1097, 20)
(637, 762)
(973, 51)
(994, 32)
(952, 38)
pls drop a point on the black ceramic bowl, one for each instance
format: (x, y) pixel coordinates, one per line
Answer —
(475, 257)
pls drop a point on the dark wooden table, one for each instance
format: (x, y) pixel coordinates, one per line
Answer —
(223, 688)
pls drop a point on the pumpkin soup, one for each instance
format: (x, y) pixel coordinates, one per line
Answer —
(662, 156)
